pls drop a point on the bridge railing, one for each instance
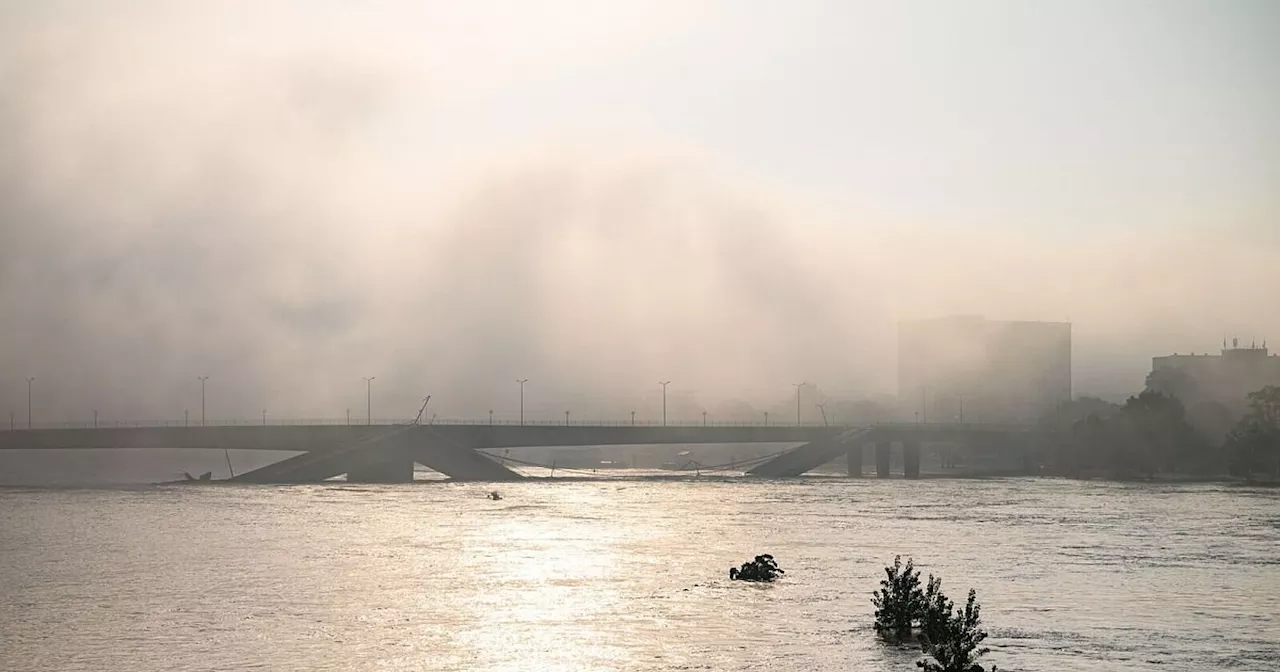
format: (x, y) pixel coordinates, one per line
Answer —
(103, 423)
(333, 422)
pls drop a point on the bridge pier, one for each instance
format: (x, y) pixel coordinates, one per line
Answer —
(911, 459)
(855, 459)
(883, 453)
(398, 470)
(1029, 461)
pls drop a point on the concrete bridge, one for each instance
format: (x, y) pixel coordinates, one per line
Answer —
(387, 453)
(853, 443)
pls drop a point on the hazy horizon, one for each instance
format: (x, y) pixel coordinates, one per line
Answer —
(731, 196)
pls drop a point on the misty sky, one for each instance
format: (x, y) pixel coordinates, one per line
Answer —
(735, 196)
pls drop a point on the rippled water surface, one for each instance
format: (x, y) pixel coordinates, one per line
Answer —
(630, 574)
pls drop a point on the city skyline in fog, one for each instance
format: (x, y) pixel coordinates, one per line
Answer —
(735, 198)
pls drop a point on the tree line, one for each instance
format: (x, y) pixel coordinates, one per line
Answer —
(1151, 433)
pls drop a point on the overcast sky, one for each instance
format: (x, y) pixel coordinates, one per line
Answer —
(597, 195)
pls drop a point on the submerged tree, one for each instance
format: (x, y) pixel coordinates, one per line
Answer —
(763, 568)
(899, 602)
(953, 646)
(936, 611)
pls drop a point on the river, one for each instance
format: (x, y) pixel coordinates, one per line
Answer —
(630, 574)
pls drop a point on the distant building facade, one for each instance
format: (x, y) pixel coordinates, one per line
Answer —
(970, 369)
(1225, 378)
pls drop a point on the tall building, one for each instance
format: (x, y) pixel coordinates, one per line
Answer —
(967, 368)
(1225, 378)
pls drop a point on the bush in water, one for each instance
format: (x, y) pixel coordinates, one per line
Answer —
(952, 646)
(936, 612)
(899, 603)
(763, 568)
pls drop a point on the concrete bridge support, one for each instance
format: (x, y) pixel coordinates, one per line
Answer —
(392, 470)
(388, 458)
(810, 455)
(911, 459)
(883, 453)
(855, 459)
(388, 461)
(1028, 458)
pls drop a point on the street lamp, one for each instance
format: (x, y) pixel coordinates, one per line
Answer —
(566, 418)
(522, 381)
(798, 386)
(202, 382)
(766, 418)
(491, 417)
(29, 381)
(633, 418)
(823, 409)
(664, 385)
(95, 418)
(368, 399)
(704, 418)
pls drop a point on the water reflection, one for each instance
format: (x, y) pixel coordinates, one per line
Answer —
(629, 575)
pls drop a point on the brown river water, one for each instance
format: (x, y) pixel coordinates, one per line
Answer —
(630, 574)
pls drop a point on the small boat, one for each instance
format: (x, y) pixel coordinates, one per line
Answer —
(494, 495)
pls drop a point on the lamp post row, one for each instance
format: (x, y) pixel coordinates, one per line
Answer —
(369, 405)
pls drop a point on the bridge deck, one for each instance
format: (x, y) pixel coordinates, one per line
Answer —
(329, 437)
(330, 450)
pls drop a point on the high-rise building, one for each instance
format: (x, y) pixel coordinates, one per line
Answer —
(970, 369)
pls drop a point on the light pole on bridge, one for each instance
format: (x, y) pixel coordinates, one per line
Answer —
(823, 409)
(29, 381)
(798, 386)
(664, 385)
(368, 399)
(522, 381)
(203, 379)
(633, 418)
(95, 418)
(491, 417)
(566, 418)
(704, 418)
